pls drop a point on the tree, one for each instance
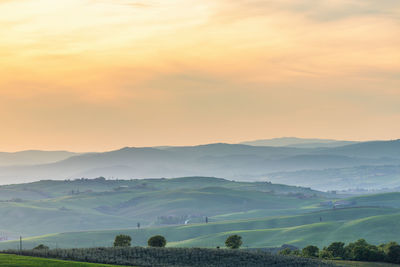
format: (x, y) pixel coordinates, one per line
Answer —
(310, 251)
(285, 251)
(337, 249)
(122, 241)
(157, 241)
(41, 247)
(325, 254)
(234, 241)
(362, 251)
(392, 253)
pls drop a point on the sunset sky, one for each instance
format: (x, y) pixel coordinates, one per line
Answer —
(94, 75)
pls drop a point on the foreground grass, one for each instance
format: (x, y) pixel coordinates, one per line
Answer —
(24, 261)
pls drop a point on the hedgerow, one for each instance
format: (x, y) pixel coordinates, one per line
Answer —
(168, 257)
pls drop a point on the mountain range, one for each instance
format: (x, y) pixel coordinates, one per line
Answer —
(233, 161)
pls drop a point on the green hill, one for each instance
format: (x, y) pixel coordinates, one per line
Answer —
(80, 205)
(377, 225)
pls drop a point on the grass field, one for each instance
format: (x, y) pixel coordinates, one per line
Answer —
(377, 225)
(24, 261)
(264, 214)
(63, 206)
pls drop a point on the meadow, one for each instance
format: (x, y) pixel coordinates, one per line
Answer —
(266, 215)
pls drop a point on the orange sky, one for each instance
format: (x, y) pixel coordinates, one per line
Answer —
(93, 75)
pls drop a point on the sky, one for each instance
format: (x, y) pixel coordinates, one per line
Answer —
(95, 75)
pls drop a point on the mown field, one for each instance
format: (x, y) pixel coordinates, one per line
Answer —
(25, 261)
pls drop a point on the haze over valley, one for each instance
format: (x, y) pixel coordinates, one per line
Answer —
(370, 165)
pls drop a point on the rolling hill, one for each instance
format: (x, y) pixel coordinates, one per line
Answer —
(377, 225)
(90, 212)
(75, 205)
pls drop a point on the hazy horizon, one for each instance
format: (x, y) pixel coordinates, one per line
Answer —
(193, 144)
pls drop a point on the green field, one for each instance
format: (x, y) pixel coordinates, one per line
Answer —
(264, 214)
(377, 225)
(24, 261)
(62, 206)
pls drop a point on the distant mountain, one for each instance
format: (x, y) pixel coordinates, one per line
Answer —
(31, 157)
(232, 161)
(298, 142)
(372, 149)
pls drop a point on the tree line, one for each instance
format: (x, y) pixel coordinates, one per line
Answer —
(360, 250)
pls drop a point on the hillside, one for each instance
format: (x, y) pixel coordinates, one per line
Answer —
(31, 157)
(58, 206)
(384, 177)
(232, 161)
(298, 142)
(320, 228)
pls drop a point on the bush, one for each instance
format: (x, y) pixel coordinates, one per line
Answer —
(233, 242)
(122, 241)
(157, 241)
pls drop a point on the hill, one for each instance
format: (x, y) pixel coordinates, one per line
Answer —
(84, 204)
(373, 149)
(32, 157)
(320, 228)
(380, 177)
(298, 142)
(233, 161)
